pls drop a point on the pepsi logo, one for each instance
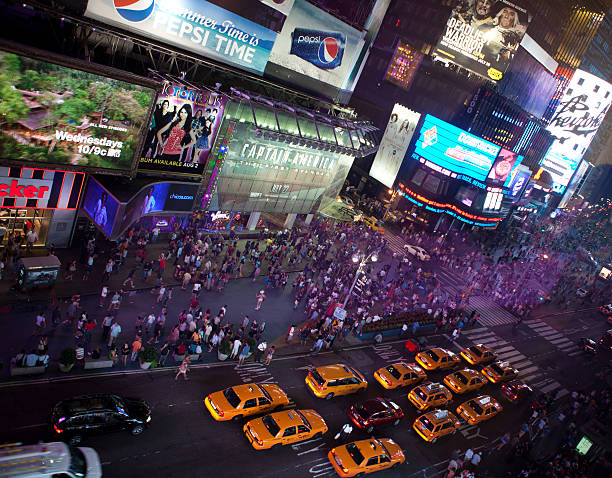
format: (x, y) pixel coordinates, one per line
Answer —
(328, 50)
(134, 10)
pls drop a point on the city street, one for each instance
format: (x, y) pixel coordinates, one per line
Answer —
(184, 439)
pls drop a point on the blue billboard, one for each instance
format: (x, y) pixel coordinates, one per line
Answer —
(454, 150)
(195, 25)
(100, 206)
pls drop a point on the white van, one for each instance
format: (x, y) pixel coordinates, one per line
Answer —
(48, 460)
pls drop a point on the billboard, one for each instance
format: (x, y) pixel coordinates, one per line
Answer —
(394, 144)
(100, 206)
(581, 111)
(483, 35)
(182, 130)
(502, 171)
(520, 180)
(169, 196)
(403, 65)
(453, 151)
(264, 175)
(315, 50)
(195, 25)
(59, 115)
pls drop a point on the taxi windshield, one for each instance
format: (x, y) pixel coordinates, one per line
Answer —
(317, 377)
(461, 378)
(475, 350)
(427, 424)
(271, 425)
(363, 413)
(420, 393)
(304, 419)
(355, 454)
(474, 406)
(434, 356)
(231, 397)
(497, 369)
(78, 464)
(395, 373)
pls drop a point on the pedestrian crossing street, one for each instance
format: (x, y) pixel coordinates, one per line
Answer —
(553, 336)
(529, 372)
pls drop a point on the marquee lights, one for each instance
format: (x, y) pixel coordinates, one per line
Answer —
(216, 164)
(450, 209)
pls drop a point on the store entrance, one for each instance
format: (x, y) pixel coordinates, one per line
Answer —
(17, 222)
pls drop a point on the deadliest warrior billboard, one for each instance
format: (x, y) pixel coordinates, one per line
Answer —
(483, 35)
(65, 116)
(182, 130)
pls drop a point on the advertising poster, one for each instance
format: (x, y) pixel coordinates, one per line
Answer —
(314, 50)
(394, 144)
(60, 115)
(182, 130)
(195, 25)
(100, 206)
(176, 197)
(579, 115)
(483, 35)
(520, 180)
(270, 176)
(453, 151)
(505, 164)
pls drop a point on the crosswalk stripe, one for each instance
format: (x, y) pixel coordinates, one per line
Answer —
(551, 387)
(505, 349)
(542, 383)
(475, 338)
(530, 369)
(573, 354)
(561, 393)
(532, 377)
(551, 335)
(518, 365)
(514, 356)
(489, 340)
(568, 346)
(496, 343)
(533, 321)
(542, 328)
(477, 330)
(563, 340)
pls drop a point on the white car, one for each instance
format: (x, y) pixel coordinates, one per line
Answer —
(417, 251)
(581, 292)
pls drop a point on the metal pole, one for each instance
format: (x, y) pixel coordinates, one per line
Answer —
(353, 284)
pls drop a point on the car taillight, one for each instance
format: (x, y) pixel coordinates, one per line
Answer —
(58, 430)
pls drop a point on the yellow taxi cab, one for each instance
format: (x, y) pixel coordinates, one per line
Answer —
(435, 424)
(365, 456)
(437, 358)
(284, 428)
(479, 409)
(464, 380)
(399, 374)
(429, 395)
(499, 372)
(478, 354)
(330, 381)
(233, 403)
(373, 223)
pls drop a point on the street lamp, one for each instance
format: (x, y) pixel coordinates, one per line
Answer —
(363, 260)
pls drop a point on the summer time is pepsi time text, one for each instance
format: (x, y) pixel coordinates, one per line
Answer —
(322, 49)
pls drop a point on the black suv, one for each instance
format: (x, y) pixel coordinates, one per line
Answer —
(92, 414)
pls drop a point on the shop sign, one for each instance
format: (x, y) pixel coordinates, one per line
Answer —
(25, 188)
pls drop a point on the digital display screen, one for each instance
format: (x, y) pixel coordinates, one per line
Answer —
(182, 130)
(483, 35)
(60, 115)
(403, 65)
(454, 149)
(507, 161)
(584, 445)
(100, 206)
(521, 178)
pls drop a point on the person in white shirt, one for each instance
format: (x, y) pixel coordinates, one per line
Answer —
(31, 238)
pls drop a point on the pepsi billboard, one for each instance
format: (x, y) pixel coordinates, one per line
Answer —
(315, 51)
(195, 25)
(453, 151)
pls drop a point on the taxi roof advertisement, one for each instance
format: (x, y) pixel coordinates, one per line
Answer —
(483, 35)
(315, 50)
(194, 25)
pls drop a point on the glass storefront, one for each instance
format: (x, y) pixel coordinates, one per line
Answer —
(18, 222)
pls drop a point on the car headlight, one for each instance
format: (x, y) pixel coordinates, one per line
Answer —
(148, 418)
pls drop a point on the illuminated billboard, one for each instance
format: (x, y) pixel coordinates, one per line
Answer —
(503, 168)
(483, 35)
(315, 50)
(58, 115)
(195, 25)
(182, 130)
(453, 151)
(260, 174)
(578, 117)
(404, 65)
(394, 144)
(100, 206)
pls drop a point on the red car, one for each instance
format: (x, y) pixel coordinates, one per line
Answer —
(516, 391)
(375, 413)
